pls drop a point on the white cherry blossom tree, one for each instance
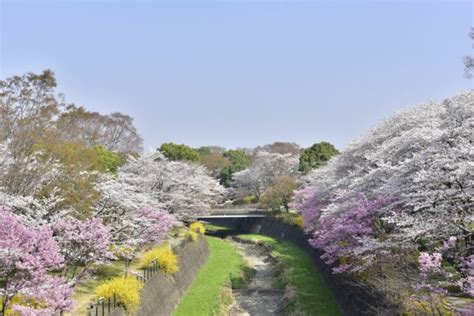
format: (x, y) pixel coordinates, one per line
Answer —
(265, 168)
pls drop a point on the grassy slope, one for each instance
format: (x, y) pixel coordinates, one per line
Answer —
(312, 295)
(205, 294)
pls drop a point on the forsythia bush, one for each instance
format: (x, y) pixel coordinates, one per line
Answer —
(289, 218)
(20, 300)
(191, 235)
(166, 259)
(198, 227)
(299, 221)
(126, 291)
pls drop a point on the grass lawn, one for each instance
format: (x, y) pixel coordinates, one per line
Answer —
(312, 295)
(207, 293)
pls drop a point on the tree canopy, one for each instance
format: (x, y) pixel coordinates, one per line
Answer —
(263, 171)
(316, 156)
(279, 194)
(238, 161)
(280, 148)
(179, 152)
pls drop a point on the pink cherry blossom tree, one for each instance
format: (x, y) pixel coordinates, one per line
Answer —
(82, 244)
(27, 257)
(135, 229)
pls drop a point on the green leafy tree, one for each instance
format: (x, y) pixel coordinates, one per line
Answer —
(204, 151)
(279, 194)
(107, 159)
(179, 152)
(238, 161)
(212, 150)
(316, 156)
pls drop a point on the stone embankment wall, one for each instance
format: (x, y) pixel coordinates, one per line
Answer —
(351, 297)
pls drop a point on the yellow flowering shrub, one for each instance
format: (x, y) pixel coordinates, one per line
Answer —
(299, 221)
(125, 289)
(191, 235)
(198, 227)
(165, 258)
(23, 301)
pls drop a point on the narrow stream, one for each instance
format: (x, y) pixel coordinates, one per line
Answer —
(260, 297)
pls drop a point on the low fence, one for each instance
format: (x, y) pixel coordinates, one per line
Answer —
(103, 307)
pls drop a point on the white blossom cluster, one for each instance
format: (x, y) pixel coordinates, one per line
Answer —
(264, 169)
(180, 188)
(423, 159)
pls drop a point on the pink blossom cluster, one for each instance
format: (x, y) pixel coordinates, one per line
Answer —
(27, 258)
(156, 224)
(430, 263)
(311, 202)
(450, 243)
(82, 243)
(339, 235)
(30, 258)
(469, 286)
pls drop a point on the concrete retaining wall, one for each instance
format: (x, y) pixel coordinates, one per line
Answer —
(162, 293)
(351, 298)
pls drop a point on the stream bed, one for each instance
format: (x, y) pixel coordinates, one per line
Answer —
(260, 296)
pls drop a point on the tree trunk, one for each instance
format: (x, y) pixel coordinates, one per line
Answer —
(127, 266)
(6, 301)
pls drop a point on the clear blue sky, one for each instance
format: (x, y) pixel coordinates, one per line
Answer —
(243, 73)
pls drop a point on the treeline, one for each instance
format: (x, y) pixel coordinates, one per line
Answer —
(266, 174)
(222, 163)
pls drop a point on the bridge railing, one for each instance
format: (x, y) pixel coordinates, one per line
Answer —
(235, 206)
(236, 211)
